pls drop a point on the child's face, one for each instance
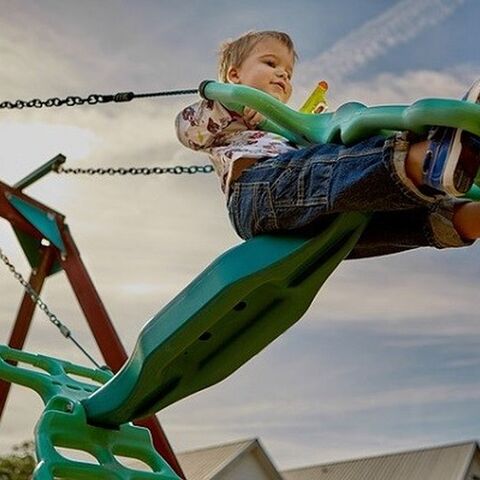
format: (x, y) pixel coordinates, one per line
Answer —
(268, 67)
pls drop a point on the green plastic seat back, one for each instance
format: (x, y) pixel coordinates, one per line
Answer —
(63, 425)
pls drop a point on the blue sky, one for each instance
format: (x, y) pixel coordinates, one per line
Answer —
(386, 358)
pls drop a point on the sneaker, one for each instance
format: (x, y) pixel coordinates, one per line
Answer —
(453, 156)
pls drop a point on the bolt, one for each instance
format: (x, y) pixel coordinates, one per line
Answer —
(69, 407)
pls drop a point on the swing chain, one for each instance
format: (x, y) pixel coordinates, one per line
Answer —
(92, 99)
(53, 102)
(35, 297)
(178, 170)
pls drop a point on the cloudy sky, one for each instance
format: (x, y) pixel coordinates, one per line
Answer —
(386, 358)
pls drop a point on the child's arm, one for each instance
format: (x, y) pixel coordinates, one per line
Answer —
(200, 124)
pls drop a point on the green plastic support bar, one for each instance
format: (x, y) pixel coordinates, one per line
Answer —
(353, 121)
(240, 96)
(49, 377)
(40, 172)
(63, 425)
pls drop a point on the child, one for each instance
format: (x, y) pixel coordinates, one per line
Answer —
(272, 185)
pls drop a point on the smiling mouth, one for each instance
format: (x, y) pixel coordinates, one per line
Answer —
(280, 85)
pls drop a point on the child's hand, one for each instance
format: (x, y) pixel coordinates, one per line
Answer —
(252, 118)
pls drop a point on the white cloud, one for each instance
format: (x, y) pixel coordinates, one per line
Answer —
(391, 28)
(387, 88)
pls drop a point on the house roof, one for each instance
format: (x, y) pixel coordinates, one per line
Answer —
(445, 462)
(205, 463)
(449, 462)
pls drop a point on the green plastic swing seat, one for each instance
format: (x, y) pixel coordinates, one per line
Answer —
(232, 310)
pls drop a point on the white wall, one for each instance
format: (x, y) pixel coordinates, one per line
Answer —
(246, 467)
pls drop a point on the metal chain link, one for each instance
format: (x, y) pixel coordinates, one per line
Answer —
(64, 330)
(92, 99)
(178, 170)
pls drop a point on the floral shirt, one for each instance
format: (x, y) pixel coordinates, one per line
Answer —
(209, 127)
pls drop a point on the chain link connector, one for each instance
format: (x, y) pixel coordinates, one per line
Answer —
(123, 97)
(65, 331)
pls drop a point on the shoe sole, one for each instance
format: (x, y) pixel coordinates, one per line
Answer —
(456, 181)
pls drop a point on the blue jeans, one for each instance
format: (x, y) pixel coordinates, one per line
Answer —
(301, 190)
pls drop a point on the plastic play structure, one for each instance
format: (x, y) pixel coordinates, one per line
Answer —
(239, 304)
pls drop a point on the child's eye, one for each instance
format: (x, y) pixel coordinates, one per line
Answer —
(270, 63)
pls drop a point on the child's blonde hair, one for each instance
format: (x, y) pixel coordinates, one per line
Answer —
(234, 52)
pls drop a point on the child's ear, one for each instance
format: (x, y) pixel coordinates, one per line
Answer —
(233, 75)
